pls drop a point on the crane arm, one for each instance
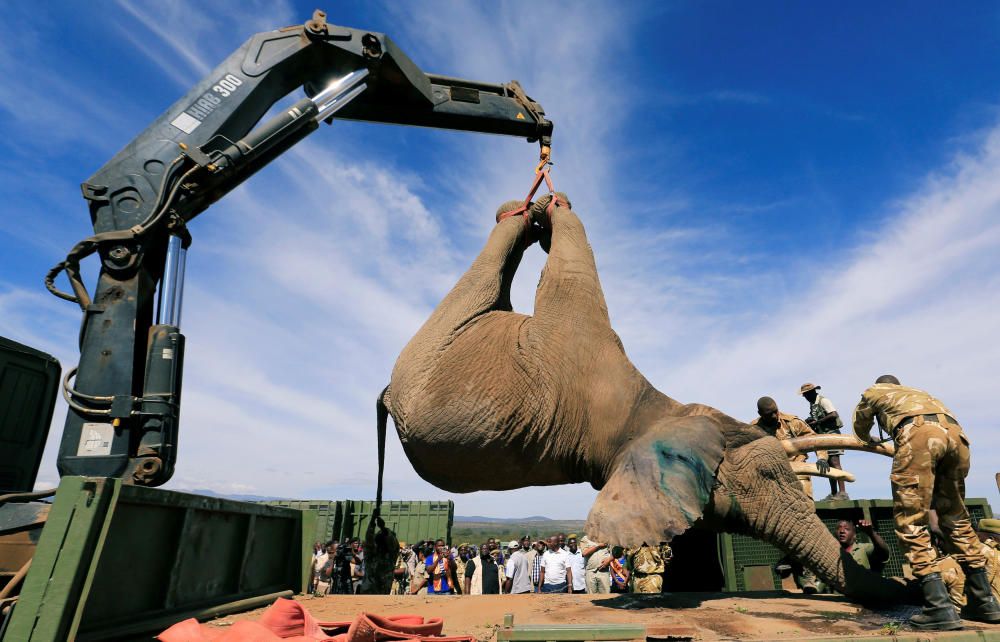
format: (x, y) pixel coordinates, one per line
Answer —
(125, 400)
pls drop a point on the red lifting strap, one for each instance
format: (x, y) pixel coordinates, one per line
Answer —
(523, 209)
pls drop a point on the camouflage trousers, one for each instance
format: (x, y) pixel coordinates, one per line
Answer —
(928, 471)
(647, 583)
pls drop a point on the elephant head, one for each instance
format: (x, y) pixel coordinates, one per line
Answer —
(553, 399)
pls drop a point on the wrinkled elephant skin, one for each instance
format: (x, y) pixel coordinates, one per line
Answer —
(485, 398)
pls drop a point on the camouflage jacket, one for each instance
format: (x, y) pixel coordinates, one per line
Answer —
(789, 427)
(890, 404)
(649, 560)
(991, 551)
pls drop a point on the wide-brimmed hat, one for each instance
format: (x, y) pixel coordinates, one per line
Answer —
(806, 387)
(991, 526)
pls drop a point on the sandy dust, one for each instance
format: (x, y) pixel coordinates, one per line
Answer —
(680, 616)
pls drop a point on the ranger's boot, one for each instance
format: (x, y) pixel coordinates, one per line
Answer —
(939, 613)
(982, 606)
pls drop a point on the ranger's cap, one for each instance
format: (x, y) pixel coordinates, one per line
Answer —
(806, 387)
(989, 526)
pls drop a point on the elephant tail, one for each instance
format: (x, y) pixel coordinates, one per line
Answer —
(382, 414)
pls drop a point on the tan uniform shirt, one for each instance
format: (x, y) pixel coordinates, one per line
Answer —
(598, 557)
(891, 403)
(420, 577)
(789, 427)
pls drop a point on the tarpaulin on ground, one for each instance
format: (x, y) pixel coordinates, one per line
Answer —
(289, 620)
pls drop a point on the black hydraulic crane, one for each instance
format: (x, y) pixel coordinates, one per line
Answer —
(124, 402)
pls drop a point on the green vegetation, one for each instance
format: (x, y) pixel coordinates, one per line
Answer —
(890, 628)
(505, 530)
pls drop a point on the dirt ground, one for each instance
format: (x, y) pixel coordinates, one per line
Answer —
(679, 616)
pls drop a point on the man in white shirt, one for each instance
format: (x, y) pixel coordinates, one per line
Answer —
(518, 572)
(323, 569)
(577, 566)
(556, 576)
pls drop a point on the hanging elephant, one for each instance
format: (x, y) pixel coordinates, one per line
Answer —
(553, 399)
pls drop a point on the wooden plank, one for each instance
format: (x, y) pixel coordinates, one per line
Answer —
(580, 632)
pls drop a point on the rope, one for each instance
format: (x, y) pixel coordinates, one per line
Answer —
(541, 174)
(383, 417)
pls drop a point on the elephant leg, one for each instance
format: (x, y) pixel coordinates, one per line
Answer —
(569, 295)
(758, 494)
(484, 287)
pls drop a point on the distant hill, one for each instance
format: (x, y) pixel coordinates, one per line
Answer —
(486, 520)
(239, 498)
(474, 530)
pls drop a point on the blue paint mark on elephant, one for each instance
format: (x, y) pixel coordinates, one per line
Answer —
(681, 469)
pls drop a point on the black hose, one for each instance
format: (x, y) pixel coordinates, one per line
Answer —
(28, 496)
(89, 245)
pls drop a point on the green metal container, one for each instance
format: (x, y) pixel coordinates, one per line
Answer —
(29, 383)
(748, 563)
(411, 521)
(329, 515)
(116, 560)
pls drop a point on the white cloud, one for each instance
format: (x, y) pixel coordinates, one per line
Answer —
(917, 298)
(304, 285)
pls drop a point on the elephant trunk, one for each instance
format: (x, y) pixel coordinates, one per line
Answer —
(759, 495)
(806, 537)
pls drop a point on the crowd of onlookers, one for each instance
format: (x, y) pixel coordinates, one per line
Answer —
(558, 564)
(570, 564)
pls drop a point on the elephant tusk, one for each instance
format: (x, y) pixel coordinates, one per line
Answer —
(806, 468)
(800, 445)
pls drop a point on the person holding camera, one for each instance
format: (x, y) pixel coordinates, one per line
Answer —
(824, 420)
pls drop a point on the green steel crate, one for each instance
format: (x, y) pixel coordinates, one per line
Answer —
(29, 384)
(411, 521)
(116, 560)
(329, 515)
(747, 562)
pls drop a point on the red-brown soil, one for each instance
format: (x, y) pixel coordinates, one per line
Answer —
(678, 616)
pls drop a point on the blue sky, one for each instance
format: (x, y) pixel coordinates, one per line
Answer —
(775, 193)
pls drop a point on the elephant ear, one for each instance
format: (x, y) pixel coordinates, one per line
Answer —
(661, 483)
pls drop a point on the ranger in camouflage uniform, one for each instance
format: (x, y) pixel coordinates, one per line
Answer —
(785, 426)
(989, 535)
(648, 563)
(401, 572)
(951, 572)
(460, 561)
(929, 469)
